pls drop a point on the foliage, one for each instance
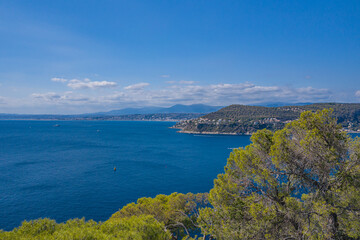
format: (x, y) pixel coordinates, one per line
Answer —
(135, 228)
(178, 212)
(301, 182)
(162, 217)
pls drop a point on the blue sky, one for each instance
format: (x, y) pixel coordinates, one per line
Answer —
(86, 56)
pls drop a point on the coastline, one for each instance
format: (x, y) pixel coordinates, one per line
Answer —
(109, 120)
(234, 133)
(215, 133)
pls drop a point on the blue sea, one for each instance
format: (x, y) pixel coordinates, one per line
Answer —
(65, 169)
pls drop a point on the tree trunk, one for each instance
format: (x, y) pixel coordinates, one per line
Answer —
(334, 225)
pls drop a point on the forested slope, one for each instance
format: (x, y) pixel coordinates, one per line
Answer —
(242, 119)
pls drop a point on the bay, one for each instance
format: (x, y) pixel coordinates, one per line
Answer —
(65, 169)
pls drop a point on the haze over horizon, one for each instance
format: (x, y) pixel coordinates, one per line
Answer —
(69, 57)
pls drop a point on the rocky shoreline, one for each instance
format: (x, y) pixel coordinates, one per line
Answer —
(210, 133)
(234, 133)
(213, 133)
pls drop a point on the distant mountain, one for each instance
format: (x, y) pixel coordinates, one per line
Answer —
(127, 111)
(179, 108)
(175, 113)
(194, 108)
(242, 119)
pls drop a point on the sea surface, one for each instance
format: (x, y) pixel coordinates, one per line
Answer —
(65, 169)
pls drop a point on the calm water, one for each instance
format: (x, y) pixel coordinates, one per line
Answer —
(67, 171)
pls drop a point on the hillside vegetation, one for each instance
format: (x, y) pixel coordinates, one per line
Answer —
(241, 119)
(163, 217)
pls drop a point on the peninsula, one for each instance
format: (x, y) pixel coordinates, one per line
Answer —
(245, 120)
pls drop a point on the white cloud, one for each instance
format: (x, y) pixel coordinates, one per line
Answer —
(138, 95)
(137, 86)
(55, 79)
(2, 100)
(183, 82)
(87, 83)
(49, 96)
(357, 94)
(187, 82)
(67, 97)
(219, 94)
(165, 76)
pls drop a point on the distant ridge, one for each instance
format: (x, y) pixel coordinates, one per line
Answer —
(178, 108)
(175, 113)
(281, 104)
(243, 119)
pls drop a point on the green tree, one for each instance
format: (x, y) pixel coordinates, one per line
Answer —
(163, 217)
(301, 182)
(178, 212)
(142, 227)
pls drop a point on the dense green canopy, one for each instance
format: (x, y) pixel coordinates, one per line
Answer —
(178, 212)
(136, 228)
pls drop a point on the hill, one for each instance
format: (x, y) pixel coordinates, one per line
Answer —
(242, 119)
(179, 108)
